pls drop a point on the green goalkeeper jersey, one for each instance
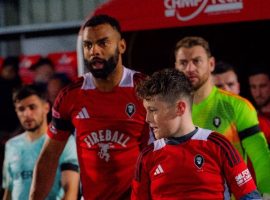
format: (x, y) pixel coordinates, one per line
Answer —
(236, 118)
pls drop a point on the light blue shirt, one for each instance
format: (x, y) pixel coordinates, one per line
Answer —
(20, 159)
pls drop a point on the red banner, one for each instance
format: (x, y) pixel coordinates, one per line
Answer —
(155, 14)
(1, 62)
(26, 62)
(65, 62)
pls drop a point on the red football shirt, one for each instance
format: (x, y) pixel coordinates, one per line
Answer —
(110, 129)
(200, 165)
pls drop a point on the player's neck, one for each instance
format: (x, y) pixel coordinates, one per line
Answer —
(36, 134)
(107, 85)
(203, 92)
(186, 129)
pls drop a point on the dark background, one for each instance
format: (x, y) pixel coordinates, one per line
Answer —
(244, 45)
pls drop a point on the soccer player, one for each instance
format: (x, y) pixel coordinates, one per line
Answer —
(259, 81)
(109, 119)
(21, 152)
(185, 162)
(225, 77)
(222, 111)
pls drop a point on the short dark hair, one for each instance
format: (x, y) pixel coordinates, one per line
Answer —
(222, 67)
(168, 84)
(259, 69)
(191, 41)
(103, 19)
(42, 61)
(27, 91)
(11, 61)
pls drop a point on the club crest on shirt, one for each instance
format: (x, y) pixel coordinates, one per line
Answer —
(130, 109)
(216, 121)
(198, 161)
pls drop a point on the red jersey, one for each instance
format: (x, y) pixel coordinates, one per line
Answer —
(199, 165)
(110, 128)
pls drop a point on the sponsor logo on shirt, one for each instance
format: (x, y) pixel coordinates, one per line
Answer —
(198, 161)
(26, 174)
(159, 170)
(106, 139)
(130, 109)
(243, 177)
(83, 114)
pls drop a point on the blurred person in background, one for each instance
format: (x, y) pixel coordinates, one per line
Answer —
(259, 85)
(55, 84)
(225, 77)
(9, 126)
(44, 70)
(21, 152)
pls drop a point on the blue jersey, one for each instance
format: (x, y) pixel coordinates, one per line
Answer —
(20, 158)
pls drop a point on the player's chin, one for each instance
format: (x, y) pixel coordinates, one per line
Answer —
(158, 135)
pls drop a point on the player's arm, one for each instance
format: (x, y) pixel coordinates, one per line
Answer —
(45, 169)
(7, 181)
(70, 170)
(70, 184)
(141, 180)
(7, 195)
(235, 170)
(259, 154)
(140, 187)
(254, 143)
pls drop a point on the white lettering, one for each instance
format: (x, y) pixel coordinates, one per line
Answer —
(101, 136)
(115, 136)
(95, 138)
(87, 142)
(120, 138)
(125, 142)
(169, 4)
(108, 135)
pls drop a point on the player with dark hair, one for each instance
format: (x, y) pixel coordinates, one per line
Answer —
(185, 162)
(109, 119)
(21, 152)
(225, 77)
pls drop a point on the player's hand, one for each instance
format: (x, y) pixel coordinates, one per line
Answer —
(266, 196)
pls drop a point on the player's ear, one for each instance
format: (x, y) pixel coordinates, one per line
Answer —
(212, 63)
(47, 107)
(122, 46)
(181, 107)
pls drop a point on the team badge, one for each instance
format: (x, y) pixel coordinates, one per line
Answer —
(216, 122)
(199, 161)
(130, 109)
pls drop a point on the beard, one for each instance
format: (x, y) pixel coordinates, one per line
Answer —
(108, 65)
(32, 128)
(202, 80)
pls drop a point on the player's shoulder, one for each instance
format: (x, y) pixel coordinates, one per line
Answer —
(68, 90)
(233, 98)
(132, 77)
(16, 139)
